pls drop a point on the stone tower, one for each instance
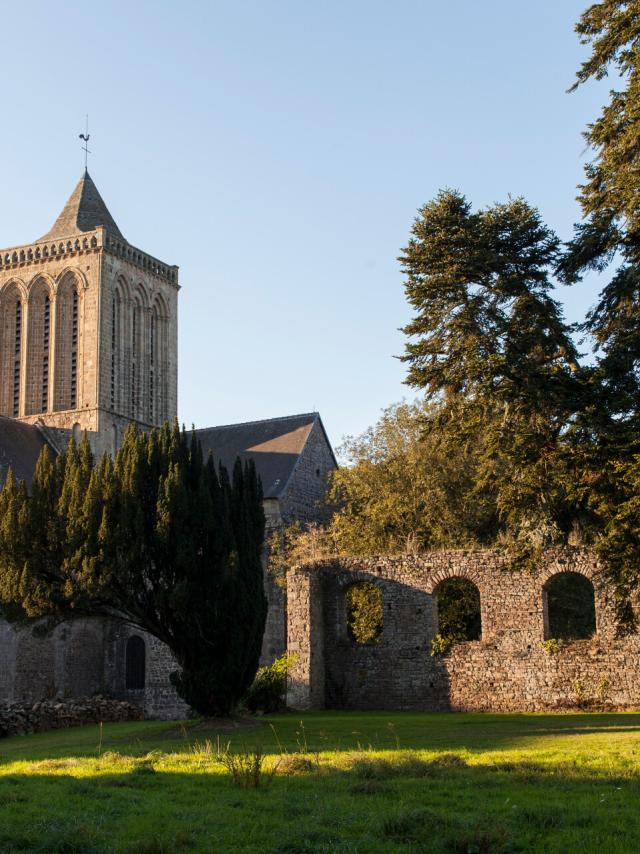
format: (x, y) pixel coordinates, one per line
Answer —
(88, 329)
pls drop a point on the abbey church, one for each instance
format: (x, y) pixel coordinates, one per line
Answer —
(89, 342)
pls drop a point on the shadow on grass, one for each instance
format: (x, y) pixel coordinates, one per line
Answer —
(401, 803)
(329, 731)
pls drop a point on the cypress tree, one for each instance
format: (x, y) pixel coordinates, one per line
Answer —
(156, 537)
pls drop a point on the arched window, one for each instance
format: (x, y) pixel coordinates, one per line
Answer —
(364, 612)
(74, 349)
(38, 348)
(158, 368)
(135, 664)
(458, 610)
(137, 359)
(120, 348)
(569, 607)
(46, 353)
(116, 349)
(153, 337)
(67, 344)
(11, 319)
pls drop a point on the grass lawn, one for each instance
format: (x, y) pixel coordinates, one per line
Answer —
(343, 782)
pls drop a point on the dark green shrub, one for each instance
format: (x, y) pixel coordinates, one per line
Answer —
(268, 691)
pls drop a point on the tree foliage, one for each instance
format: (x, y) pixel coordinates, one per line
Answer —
(610, 232)
(364, 612)
(607, 241)
(407, 488)
(156, 537)
(458, 610)
(570, 607)
(488, 343)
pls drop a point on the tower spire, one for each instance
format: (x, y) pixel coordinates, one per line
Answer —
(84, 211)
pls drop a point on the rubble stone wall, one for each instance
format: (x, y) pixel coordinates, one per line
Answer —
(25, 718)
(508, 669)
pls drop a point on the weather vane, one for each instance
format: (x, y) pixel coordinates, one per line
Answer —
(85, 136)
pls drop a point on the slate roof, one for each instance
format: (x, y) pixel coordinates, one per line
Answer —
(84, 211)
(20, 446)
(274, 445)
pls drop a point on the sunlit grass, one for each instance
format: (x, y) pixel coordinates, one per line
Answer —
(343, 782)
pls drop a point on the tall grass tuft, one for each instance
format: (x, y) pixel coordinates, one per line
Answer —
(247, 767)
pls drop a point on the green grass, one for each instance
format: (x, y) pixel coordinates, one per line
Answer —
(334, 782)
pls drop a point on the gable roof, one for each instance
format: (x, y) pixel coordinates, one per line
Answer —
(274, 445)
(84, 211)
(20, 446)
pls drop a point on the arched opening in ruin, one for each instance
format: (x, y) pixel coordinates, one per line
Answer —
(135, 663)
(364, 612)
(458, 610)
(569, 607)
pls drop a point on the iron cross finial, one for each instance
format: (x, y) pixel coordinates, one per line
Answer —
(85, 136)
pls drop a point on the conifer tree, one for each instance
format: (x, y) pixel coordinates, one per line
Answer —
(607, 241)
(610, 232)
(488, 342)
(156, 537)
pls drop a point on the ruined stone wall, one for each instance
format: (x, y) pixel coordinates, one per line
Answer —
(506, 670)
(67, 662)
(84, 658)
(301, 502)
(43, 715)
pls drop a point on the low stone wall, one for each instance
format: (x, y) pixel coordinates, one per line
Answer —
(21, 719)
(508, 669)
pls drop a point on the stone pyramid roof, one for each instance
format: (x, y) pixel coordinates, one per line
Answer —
(84, 211)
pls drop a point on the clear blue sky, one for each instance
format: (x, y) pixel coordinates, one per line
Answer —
(277, 152)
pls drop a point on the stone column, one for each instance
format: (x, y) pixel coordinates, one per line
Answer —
(305, 639)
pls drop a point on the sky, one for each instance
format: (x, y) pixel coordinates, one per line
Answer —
(278, 151)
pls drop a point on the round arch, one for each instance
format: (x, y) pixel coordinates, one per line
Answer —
(363, 609)
(12, 312)
(135, 663)
(458, 608)
(157, 368)
(39, 345)
(67, 379)
(569, 607)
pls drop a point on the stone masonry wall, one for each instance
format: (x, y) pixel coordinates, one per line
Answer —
(95, 262)
(84, 658)
(506, 670)
(65, 663)
(158, 698)
(308, 483)
(301, 502)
